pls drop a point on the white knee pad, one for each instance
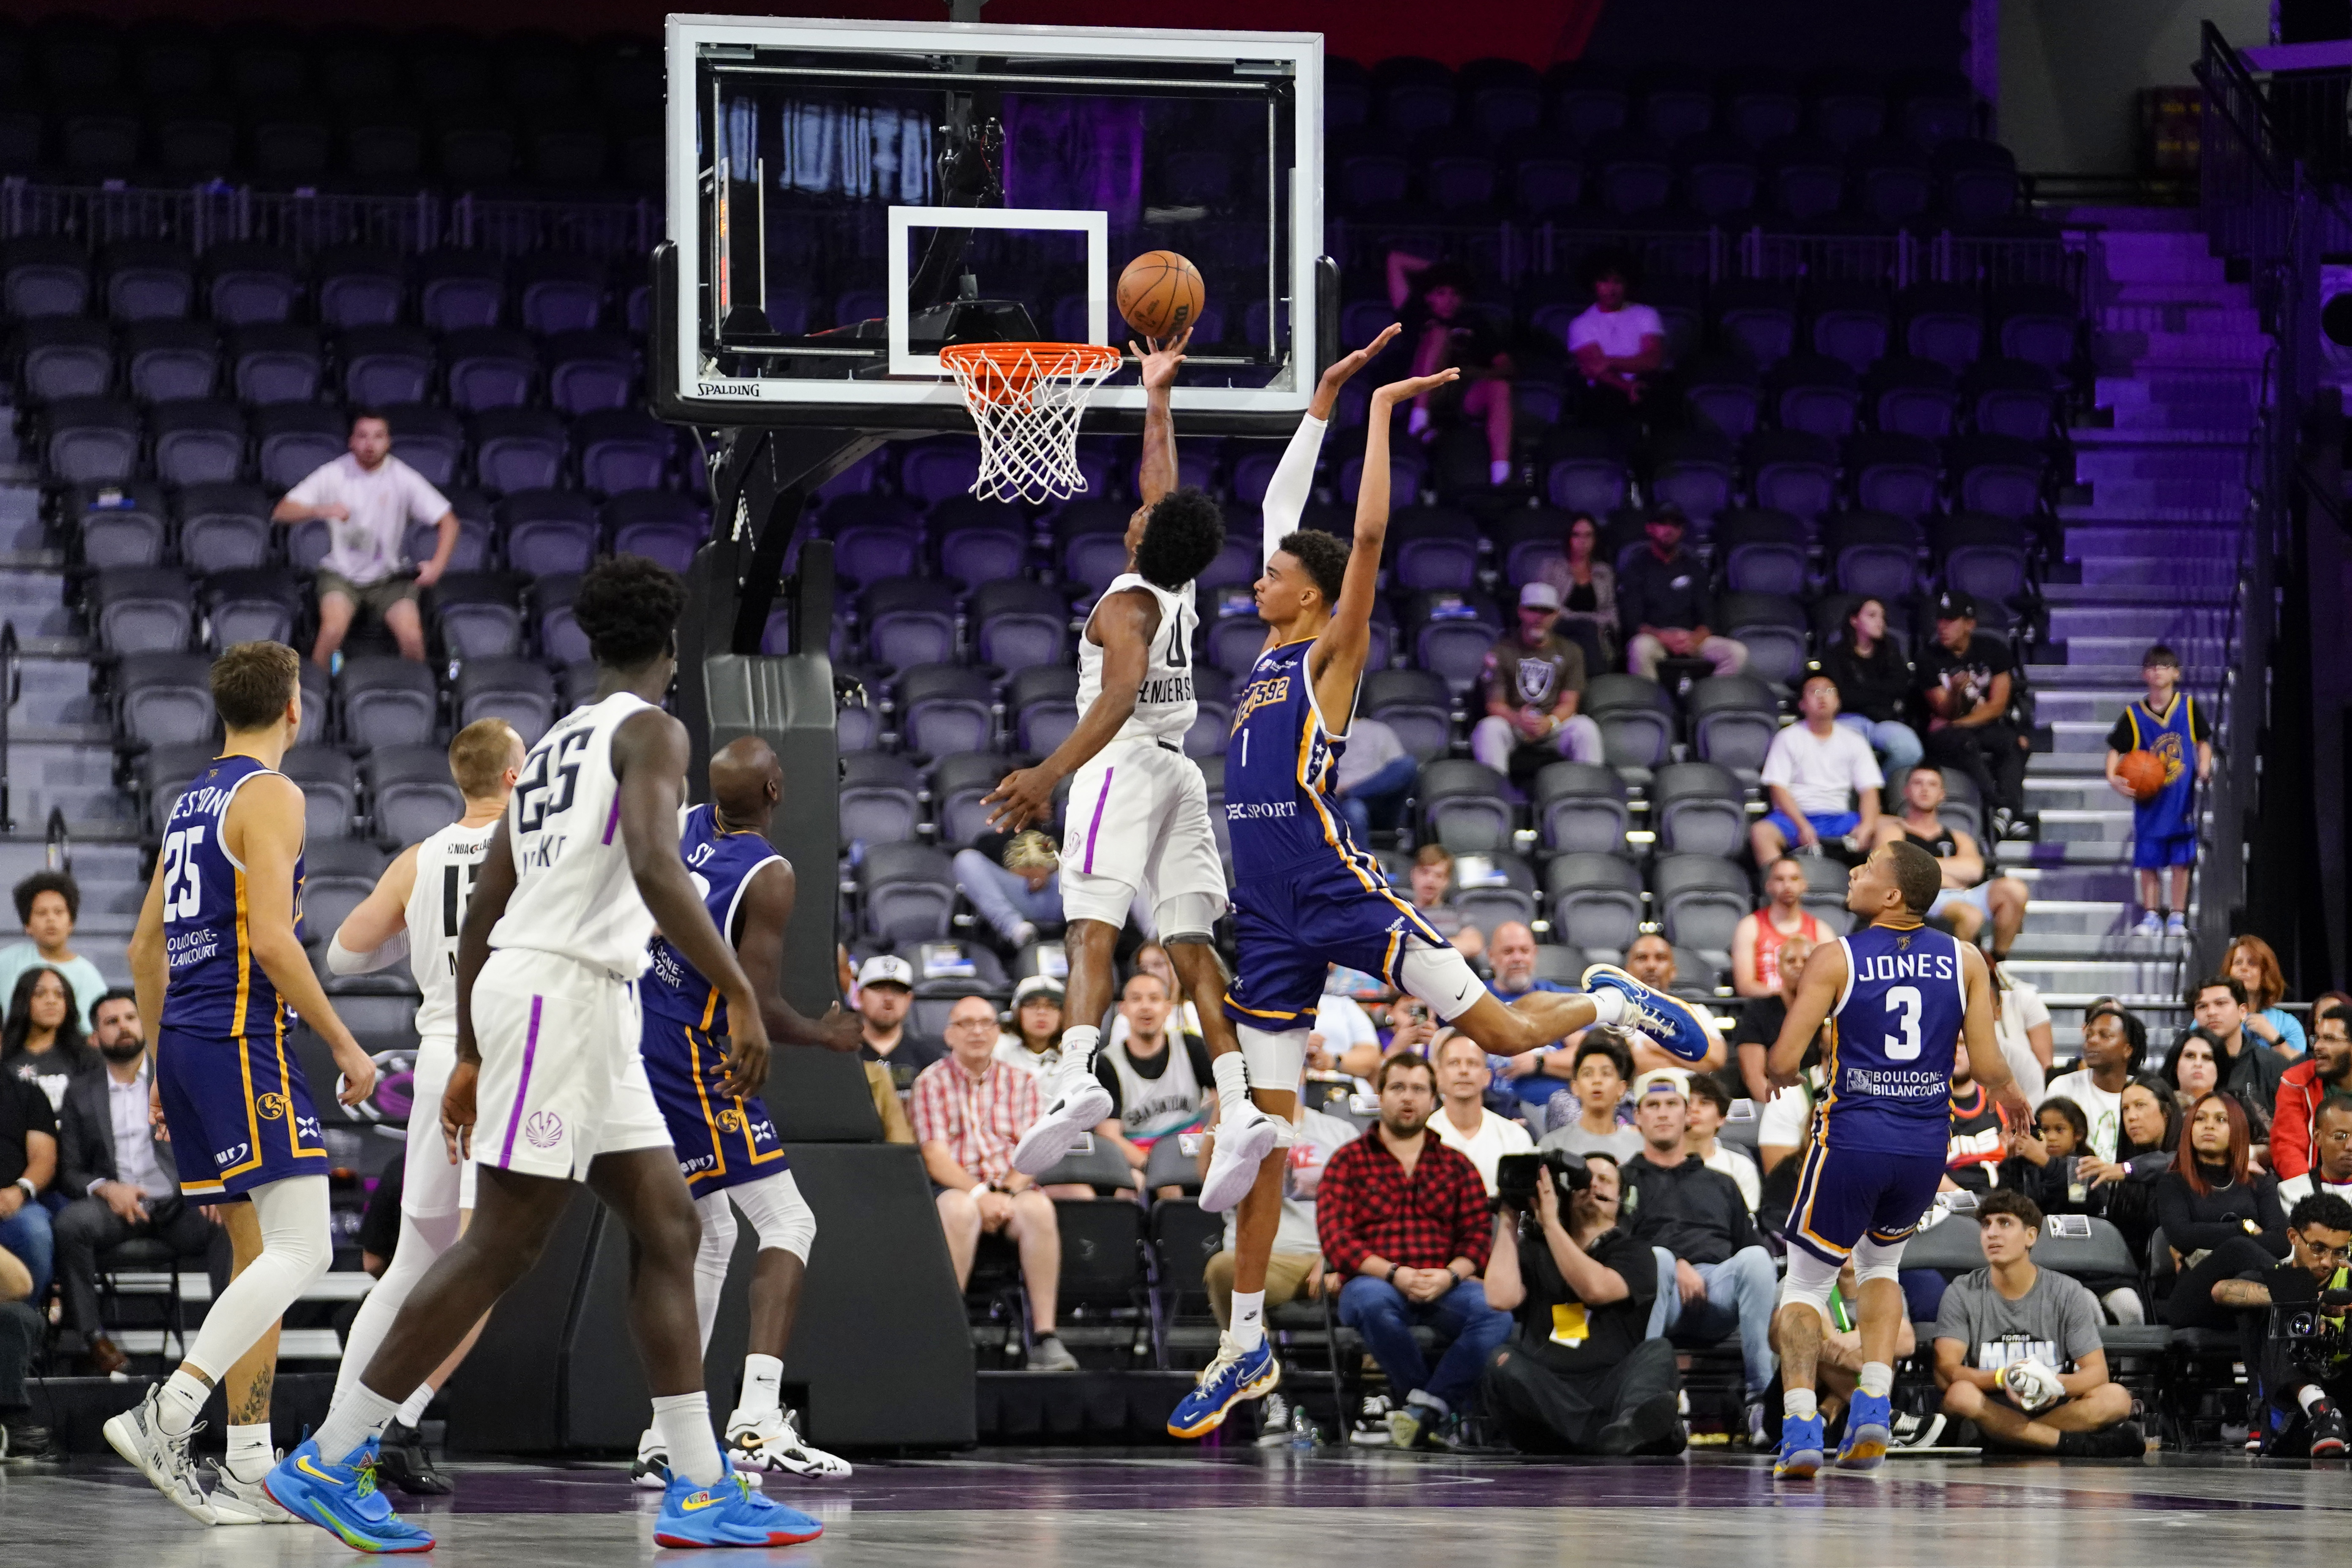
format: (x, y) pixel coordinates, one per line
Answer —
(1440, 976)
(779, 1214)
(1275, 1060)
(717, 1218)
(1187, 917)
(1810, 1280)
(1877, 1259)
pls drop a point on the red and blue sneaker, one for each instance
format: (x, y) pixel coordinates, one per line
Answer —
(343, 1498)
(728, 1513)
(1672, 1022)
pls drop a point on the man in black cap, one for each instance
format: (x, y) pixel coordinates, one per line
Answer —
(1663, 604)
(1966, 683)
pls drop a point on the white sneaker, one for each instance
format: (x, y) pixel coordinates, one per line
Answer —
(244, 1502)
(1372, 1426)
(2151, 925)
(1080, 1103)
(651, 1471)
(1023, 934)
(1240, 1149)
(774, 1444)
(2177, 925)
(138, 1437)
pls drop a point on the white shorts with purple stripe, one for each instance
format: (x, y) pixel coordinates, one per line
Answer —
(561, 1082)
(1138, 817)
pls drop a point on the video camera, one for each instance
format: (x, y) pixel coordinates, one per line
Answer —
(2301, 1322)
(1516, 1176)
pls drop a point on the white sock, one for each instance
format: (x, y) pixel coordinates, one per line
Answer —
(1877, 1379)
(1231, 1074)
(1079, 1043)
(1248, 1331)
(1609, 1006)
(764, 1395)
(181, 1401)
(250, 1455)
(2309, 1394)
(1798, 1404)
(359, 1415)
(684, 1421)
(413, 1408)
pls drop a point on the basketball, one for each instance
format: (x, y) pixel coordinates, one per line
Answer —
(1160, 294)
(2142, 772)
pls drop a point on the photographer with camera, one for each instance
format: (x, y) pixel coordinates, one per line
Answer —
(2307, 1353)
(1579, 1374)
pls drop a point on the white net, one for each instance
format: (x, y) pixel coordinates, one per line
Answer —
(1025, 399)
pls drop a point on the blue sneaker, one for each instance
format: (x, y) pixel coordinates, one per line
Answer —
(1234, 1376)
(727, 1514)
(1800, 1450)
(1666, 1019)
(343, 1498)
(1869, 1426)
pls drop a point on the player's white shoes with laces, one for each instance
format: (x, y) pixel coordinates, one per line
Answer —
(138, 1437)
(244, 1502)
(1078, 1105)
(773, 1442)
(1238, 1150)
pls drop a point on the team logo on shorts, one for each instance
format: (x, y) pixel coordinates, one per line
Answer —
(544, 1128)
(730, 1120)
(272, 1107)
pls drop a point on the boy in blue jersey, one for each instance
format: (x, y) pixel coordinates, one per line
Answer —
(217, 960)
(1897, 997)
(2168, 722)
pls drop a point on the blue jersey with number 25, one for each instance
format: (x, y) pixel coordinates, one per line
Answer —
(1890, 1041)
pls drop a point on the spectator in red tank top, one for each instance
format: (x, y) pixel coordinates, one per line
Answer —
(1757, 942)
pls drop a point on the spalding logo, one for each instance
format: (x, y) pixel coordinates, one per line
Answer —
(544, 1128)
(273, 1107)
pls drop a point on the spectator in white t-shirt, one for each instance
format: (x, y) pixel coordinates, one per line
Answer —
(2113, 1040)
(1463, 1123)
(2022, 1027)
(1822, 777)
(1620, 349)
(1709, 1108)
(369, 498)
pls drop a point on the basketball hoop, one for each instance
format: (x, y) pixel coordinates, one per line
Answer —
(1025, 399)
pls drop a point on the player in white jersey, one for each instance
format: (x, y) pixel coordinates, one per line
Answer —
(549, 1090)
(415, 913)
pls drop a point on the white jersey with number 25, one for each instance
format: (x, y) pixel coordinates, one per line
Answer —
(573, 893)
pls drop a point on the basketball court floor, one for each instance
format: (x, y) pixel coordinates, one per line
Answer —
(1065, 1509)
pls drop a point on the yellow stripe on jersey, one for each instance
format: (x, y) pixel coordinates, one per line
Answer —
(244, 1066)
(1376, 886)
(702, 1096)
(244, 959)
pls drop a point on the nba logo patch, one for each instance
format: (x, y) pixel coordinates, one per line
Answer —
(544, 1128)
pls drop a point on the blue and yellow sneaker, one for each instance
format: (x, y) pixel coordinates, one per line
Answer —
(1669, 1020)
(1869, 1426)
(343, 1498)
(728, 1513)
(1800, 1449)
(1234, 1376)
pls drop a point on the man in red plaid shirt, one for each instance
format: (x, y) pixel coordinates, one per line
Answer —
(1404, 1221)
(970, 1109)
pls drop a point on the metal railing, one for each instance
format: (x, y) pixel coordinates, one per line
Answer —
(12, 681)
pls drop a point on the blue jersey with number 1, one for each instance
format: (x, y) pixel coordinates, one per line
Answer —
(1890, 1042)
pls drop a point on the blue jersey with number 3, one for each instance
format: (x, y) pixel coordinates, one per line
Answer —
(1889, 1043)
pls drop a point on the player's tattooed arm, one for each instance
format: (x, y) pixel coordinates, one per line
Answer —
(767, 914)
(1127, 622)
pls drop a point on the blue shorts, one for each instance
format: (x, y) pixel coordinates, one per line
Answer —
(1830, 825)
(239, 1114)
(1291, 928)
(1844, 1194)
(2153, 852)
(722, 1139)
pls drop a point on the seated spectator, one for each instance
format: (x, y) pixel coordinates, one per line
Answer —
(2306, 1382)
(1295, 1270)
(1664, 597)
(1837, 1371)
(28, 1167)
(1431, 879)
(1822, 780)
(1619, 350)
(48, 905)
(885, 992)
(2252, 963)
(1429, 298)
(2243, 1067)
(1034, 1044)
(42, 1041)
(1346, 1038)
(2018, 1350)
(370, 497)
(1463, 1123)
(1535, 1077)
(2305, 1087)
(2022, 1024)
(2113, 1038)
(2144, 1152)
(1185, 1015)
(1587, 586)
(970, 1109)
(2052, 1164)
(1761, 1020)
(119, 1175)
(1581, 1373)
(1974, 891)
(1709, 1108)
(1598, 1075)
(1873, 686)
(1374, 778)
(2221, 1216)
(1403, 1224)
(1651, 960)
(2331, 1166)
(21, 1329)
(1014, 883)
(1964, 684)
(1787, 1119)
(1981, 1131)
(1159, 1080)
(1782, 918)
(1533, 680)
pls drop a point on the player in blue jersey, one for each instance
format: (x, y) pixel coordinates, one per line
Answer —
(217, 959)
(727, 1146)
(1895, 997)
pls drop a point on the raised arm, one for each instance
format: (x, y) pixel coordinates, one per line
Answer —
(1155, 475)
(767, 911)
(1294, 476)
(376, 935)
(1127, 621)
(1817, 993)
(263, 828)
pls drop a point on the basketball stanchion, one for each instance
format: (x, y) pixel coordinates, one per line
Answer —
(1027, 400)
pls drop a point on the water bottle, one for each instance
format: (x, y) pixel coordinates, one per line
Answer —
(1302, 1431)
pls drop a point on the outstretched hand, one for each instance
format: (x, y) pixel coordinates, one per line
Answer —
(1344, 368)
(1023, 796)
(1406, 391)
(1160, 361)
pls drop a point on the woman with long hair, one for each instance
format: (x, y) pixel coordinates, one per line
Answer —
(42, 1040)
(1587, 592)
(1873, 686)
(2221, 1216)
(2149, 1132)
(2254, 965)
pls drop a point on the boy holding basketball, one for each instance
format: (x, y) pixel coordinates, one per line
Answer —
(2168, 726)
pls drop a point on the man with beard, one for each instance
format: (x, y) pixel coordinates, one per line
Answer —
(2306, 1088)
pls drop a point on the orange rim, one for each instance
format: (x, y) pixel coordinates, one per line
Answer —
(1000, 372)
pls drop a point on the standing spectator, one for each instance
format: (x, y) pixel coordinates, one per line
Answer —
(1581, 1374)
(970, 1111)
(48, 905)
(2325, 1074)
(1432, 881)
(1463, 1123)
(2221, 1216)
(1981, 1131)
(119, 1174)
(1533, 680)
(42, 1041)
(1158, 1081)
(1534, 1077)
(2168, 722)
(1761, 1020)
(1709, 1108)
(885, 992)
(1714, 1274)
(1429, 298)
(1758, 940)
(1034, 1044)
(1598, 1075)
(1822, 780)
(1014, 883)
(370, 497)
(1664, 597)
(2331, 1165)
(2017, 1352)
(2245, 1068)
(1975, 892)
(2306, 1382)
(1619, 350)
(1873, 686)
(1374, 778)
(2251, 962)
(1403, 1224)
(1587, 592)
(2113, 1040)
(1965, 680)
(28, 1165)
